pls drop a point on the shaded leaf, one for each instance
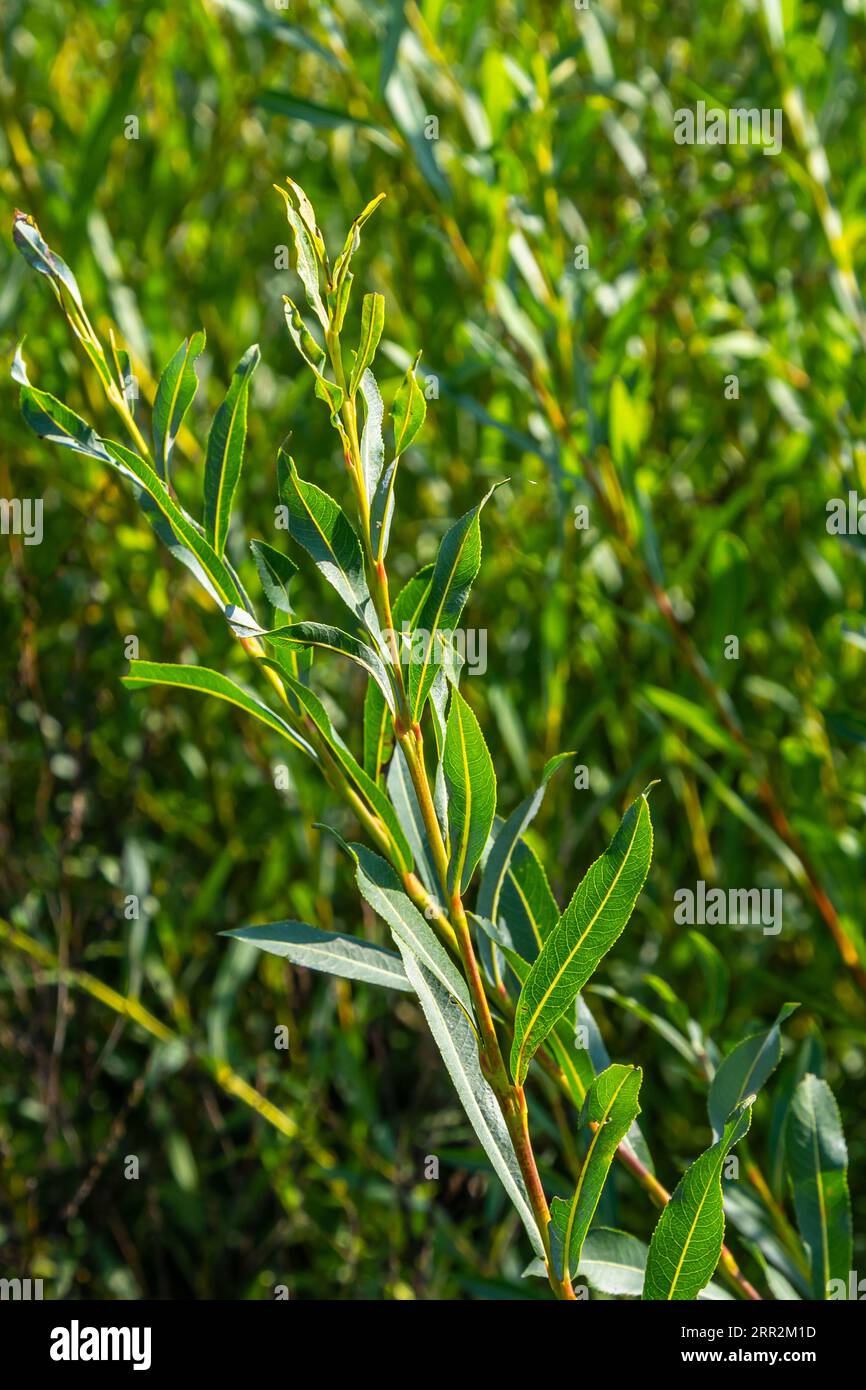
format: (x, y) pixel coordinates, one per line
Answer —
(745, 1070)
(505, 842)
(276, 572)
(818, 1168)
(174, 395)
(225, 452)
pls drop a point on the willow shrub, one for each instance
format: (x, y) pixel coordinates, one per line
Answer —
(497, 968)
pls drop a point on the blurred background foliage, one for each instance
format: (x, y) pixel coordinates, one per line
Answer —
(593, 378)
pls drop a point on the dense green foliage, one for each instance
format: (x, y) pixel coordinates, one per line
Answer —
(595, 382)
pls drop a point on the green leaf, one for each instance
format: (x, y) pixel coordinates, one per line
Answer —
(329, 951)
(745, 1070)
(471, 785)
(38, 254)
(54, 421)
(613, 1262)
(716, 980)
(456, 1040)
(457, 564)
(381, 887)
(592, 922)
(318, 524)
(342, 277)
(408, 412)
(307, 245)
(207, 682)
(276, 572)
(174, 395)
(818, 1167)
(687, 1241)
(527, 906)
(372, 442)
(505, 842)
(177, 530)
(225, 452)
(322, 637)
(372, 324)
(610, 1109)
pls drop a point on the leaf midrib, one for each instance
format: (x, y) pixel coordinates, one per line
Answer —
(576, 947)
(584, 1173)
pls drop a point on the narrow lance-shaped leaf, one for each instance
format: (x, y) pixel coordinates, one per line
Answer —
(38, 254)
(335, 953)
(372, 442)
(225, 452)
(207, 682)
(818, 1168)
(381, 887)
(457, 564)
(610, 1109)
(307, 247)
(276, 572)
(527, 906)
(177, 530)
(322, 637)
(372, 324)
(174, 395)
(456, 1040)
(318, 524)
(55, 422)
(471, 785)
(688, 1238)
(312, 353)
(338, 290)
(409, 411)
(745, 1070)
(592, 922)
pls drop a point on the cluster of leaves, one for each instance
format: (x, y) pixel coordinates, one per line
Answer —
(537, 959)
